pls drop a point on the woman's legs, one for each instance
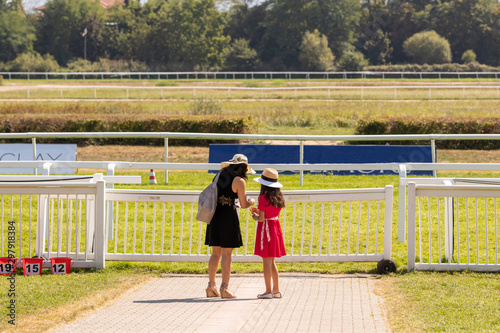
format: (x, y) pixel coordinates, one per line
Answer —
(213, 263)
(226, 264)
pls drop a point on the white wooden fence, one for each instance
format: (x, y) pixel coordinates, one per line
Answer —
(67, 218)
(248, 75)
(318, 226)
(453, 227)
(380, 92)
(54, 219)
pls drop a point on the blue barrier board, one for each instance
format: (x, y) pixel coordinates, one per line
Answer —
(314, 154)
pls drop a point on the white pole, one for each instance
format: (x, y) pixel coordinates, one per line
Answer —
(402, 206)
(33, 143)
(433, 152)
(301, 162)
(411, 227)
(388, 221)
(166, 160)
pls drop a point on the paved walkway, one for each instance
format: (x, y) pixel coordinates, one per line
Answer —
(310, 303)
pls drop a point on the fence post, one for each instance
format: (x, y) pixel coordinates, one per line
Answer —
(448, 225)
(402, 206)
(46, 169)
(301, 162)
(33, 143)
(395, 93)
(110, 172)
(166, 160)
(100, 242)
(389, 190)
(433, 152)
(43, 211)
(411, 227)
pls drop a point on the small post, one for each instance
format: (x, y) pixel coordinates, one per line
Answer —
(228, 92)
(166, 160)
(61, 94)
(127, 93)
(433, 151)
(361, 92)
(301, 162)
(33, 143)
(95, 92)
(429, 93)
(28, 90)
(411, 226)
(388, 221)
(194, 92)
(110, 172)
(100, 241)
(395, 93)
(402, 205)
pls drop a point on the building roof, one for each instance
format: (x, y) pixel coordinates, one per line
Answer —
(104, 4)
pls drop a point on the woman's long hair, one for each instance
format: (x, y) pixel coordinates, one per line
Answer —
(237, 170)
(273, 195)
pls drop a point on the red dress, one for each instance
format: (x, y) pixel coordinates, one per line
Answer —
(269, 238)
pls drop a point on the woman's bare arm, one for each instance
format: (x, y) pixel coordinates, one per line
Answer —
(240, 187)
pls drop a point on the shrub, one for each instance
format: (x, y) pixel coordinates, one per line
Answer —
(428, 47)
(352, 61)
(1, 80)
(433, 126)
(452, 67)
(34, 62)
(468, 57)
(315, 55)
(202, 106)
(166, 84)
(193, 124)
(239, 56)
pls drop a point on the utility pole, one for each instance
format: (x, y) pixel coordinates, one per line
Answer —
(84, 35)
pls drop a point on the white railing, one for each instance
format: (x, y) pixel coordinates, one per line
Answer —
(453, 227)
(318, 226)
(317, 92)
(247, 75)
(52, 218)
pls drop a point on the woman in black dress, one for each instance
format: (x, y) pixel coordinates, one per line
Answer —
(223, 232)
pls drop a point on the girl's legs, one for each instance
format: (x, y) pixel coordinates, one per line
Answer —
(275, 277)
(268, 272)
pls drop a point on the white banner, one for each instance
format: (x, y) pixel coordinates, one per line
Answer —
(44, 152)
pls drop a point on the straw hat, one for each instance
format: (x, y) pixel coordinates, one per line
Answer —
(269, 178)
(238, 159)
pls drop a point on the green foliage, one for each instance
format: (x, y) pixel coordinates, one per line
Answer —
(239, 56)
(373, 40)
(105, 65)
(428, 47)
(315, 55)
(410, 125)
(34, 62)
(16, 33)
(452, 67)
(202, 106)
(352, 61)
(468, 57)
(166, 84)
(1, 80)
(192, 124)
(62, 24)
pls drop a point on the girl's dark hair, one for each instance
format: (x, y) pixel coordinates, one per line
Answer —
(273, 195)
(237, 170)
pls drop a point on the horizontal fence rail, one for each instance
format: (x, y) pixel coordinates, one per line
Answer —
(453, 227)
(53, 219)
(314, 92)
(318, 226)
(248, 75)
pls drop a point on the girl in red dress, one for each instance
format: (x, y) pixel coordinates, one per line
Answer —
(269, 243)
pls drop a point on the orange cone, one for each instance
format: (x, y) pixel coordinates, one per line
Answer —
(152, 177)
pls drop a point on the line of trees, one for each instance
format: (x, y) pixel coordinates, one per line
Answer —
(178, 35)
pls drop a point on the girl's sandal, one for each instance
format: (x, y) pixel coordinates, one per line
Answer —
(212, 290)
(277, 295)
(224, 292)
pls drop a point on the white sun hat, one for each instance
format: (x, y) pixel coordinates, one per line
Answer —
(238, 159)
(269, 178)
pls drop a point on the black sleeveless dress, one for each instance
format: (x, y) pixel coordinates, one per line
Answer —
(224, 229)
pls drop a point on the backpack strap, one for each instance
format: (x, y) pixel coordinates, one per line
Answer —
(216, 179)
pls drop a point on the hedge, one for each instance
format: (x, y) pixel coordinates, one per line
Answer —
(1, 80)
(194, 124)
(433, 126)
(452, 67)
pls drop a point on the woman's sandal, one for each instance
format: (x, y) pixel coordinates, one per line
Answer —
(277, 295)
(224, 292)
(265, 296)
(212, 290)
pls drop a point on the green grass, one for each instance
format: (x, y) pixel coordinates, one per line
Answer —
(443, 302)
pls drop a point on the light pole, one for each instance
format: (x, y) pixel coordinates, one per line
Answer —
(84, 35)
